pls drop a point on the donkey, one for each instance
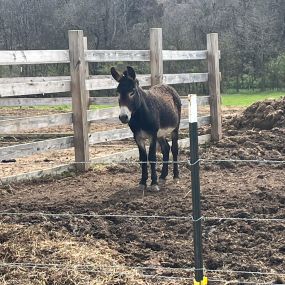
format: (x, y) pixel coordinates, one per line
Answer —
(151, 115)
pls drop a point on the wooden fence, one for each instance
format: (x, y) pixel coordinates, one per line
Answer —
(79, 83)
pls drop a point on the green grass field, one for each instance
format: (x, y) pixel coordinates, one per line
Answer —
(244, 99)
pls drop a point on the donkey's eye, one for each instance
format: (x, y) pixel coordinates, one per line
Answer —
(132, 93)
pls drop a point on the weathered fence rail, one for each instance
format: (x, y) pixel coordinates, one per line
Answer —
(80, 82)
(14, 102)
(28, 86)
(31, 123)
(28, 149)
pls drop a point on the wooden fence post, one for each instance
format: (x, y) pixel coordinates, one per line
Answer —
(156, 60)
(214, 86)
(85, 43)
(79, 100)
(87, 92)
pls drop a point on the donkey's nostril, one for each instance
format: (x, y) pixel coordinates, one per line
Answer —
(124, 118)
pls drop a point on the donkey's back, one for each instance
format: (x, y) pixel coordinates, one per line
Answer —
(165, 104)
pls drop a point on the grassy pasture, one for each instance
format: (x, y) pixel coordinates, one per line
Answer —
(244, 99)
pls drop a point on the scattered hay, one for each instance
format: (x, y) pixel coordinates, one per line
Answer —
(56, 258)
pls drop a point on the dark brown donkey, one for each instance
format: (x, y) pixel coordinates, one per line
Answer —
(150, 114)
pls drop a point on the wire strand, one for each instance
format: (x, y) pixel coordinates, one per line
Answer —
(242, 272)
(86, 215)
(86, 267)
(203, 160)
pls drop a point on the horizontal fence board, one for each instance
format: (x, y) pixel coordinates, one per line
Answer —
(201, 140)
(39, 174)
(201, 101)
(67, 142)
(33, 57)
(185, 78)
(111, 158)
(111, 101)
(110, 135)
(8, 117)
(36, 122)
(33, 136)
(13, 102)
(125, 133)
(202, 121)
(27, 149)
(20, 89)
(116, 55)
(104, 82)
(20, 57)
(142, 55)
(100, 114)
(108, 113)
(184, 54)
(99, 82)
(9, 80)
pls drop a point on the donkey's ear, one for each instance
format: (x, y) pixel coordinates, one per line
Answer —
(116, 75)
(131, 72)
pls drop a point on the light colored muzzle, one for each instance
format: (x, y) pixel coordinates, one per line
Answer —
(125, 115)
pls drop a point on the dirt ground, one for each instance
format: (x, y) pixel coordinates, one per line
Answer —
(118, 250)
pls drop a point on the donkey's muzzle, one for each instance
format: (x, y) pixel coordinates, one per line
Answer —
(124, 118)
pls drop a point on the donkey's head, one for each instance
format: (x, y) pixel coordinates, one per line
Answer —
(128, 91)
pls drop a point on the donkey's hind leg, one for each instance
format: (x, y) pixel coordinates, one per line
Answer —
(174, 150)
(165, 148)
(152, 159)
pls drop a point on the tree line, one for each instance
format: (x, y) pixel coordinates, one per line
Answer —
(251, 33)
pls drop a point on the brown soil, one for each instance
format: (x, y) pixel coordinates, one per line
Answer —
(229, 189)
(263, 115)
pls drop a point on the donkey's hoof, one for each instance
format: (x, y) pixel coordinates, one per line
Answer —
(155, 188)
(176, 180)
(162, 181)
(142, 187)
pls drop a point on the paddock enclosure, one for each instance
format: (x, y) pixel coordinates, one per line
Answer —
(95, 227)
(79, 84)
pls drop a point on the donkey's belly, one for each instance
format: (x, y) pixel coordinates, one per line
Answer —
(161, 133)
(164, 132)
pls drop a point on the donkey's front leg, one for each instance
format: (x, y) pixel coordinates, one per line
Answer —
(143, 161)
(152, 159)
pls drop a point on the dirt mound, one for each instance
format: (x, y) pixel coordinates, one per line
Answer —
(258, 133)
(263, 115)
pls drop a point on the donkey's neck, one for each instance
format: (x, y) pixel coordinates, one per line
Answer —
(143, 106)
(143, 118)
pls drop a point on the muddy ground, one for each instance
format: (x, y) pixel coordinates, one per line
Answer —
(113, 246)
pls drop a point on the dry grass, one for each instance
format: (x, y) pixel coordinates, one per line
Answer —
(61, 259)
